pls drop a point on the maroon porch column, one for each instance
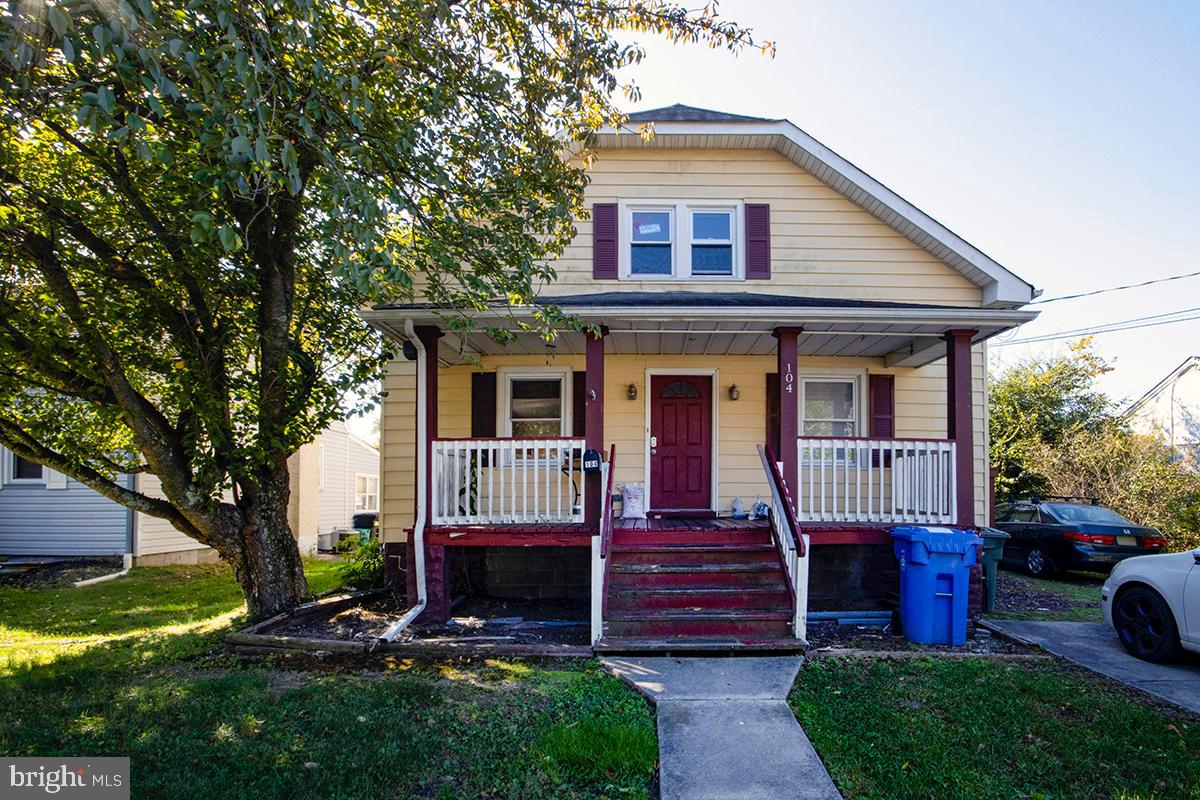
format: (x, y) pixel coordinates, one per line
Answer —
(594, 424)
(959, 423)
(789, 423)
(437, 583)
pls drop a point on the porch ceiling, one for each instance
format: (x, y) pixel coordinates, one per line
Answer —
(902, 336)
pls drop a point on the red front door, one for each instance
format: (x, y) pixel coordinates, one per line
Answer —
(680, 443)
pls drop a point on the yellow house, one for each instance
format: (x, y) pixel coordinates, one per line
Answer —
(778, 332)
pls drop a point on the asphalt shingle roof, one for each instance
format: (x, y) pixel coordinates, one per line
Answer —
(682, 113)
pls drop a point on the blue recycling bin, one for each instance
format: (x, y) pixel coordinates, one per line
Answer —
(935, 574)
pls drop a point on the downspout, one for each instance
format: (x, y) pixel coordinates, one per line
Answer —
(422, 482)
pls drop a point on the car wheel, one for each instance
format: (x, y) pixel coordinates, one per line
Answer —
(1038, 564)
(1145, 624)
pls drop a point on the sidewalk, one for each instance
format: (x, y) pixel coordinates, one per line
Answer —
(725, 731)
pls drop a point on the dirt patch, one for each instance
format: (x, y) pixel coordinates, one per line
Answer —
(526, 622)
(59, 573)
(490, 620)
(1017, 595)
(367, 620)
(827, 635)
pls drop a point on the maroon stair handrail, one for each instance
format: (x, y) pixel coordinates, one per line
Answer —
(789, 510)
(606, 520)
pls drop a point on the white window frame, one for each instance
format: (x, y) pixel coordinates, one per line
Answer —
(505, 377)
(9, 471)
(856, 377)
(681, 237)
(369, 477)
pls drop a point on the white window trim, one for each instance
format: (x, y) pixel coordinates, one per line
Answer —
(505, 377)
(369, 476)
(8, 471)
(681, 237)
(857, 376)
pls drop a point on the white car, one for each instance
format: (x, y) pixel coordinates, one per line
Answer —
(1153, 603)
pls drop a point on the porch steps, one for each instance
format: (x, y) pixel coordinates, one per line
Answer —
(702, 590)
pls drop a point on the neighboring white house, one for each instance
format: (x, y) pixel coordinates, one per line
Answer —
(44, 513)
(1172, 410)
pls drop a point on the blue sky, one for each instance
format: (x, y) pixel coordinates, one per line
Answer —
(1059, 138)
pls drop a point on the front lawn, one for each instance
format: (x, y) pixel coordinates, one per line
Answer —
(134, 667)
(975, 728)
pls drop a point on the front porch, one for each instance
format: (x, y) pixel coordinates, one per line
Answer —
(673, 401)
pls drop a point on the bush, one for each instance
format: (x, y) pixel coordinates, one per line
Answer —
(1136, 475)
(363, 567)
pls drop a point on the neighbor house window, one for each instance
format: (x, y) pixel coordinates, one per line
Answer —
(366, 492)
(695, 239)
(829, 407)
(25, 470)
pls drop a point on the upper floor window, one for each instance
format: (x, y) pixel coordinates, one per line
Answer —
(697, 239)
(366, 492)
(25, 470)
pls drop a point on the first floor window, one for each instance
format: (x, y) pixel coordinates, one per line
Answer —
(829, 407)
(25, 470)
(366, 492)
(536, 407)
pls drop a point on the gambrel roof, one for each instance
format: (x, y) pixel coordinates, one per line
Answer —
(680, 126)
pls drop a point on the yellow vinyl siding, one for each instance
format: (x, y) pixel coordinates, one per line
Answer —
(920, 412)
(822, 244)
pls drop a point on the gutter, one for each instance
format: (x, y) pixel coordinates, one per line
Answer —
(779, 315)
(422, 480)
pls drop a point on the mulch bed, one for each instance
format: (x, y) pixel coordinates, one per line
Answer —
(349, 624)
(60, 573)
(829, 636)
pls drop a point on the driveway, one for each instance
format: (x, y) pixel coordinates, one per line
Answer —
(1095, 646)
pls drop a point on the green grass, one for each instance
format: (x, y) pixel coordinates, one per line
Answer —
(151, 613)
(976, 728)
(134, 667)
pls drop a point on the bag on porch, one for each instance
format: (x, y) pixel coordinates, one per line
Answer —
(633, 501)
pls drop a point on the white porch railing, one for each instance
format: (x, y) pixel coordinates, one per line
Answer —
(791, 542)
(876, 480)
(507, 481)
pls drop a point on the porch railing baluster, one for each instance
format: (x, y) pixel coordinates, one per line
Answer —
(876, 480)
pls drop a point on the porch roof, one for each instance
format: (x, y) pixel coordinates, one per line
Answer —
(732, 323)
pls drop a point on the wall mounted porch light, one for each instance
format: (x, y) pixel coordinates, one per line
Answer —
(631, 392)
(734, 392)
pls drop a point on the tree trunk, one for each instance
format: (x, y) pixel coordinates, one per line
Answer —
(267, 564)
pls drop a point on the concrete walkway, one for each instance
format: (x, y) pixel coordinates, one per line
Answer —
(1095, 646)
(725, 731)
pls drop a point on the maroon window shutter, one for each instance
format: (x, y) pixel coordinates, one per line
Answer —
(883, 406)
(578, 403)
(758, 241)
(773, 411)
(483, 404)
(604, 241)
(881, 389)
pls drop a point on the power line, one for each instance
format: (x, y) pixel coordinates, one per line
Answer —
(1189, 314)
(1117, 288)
